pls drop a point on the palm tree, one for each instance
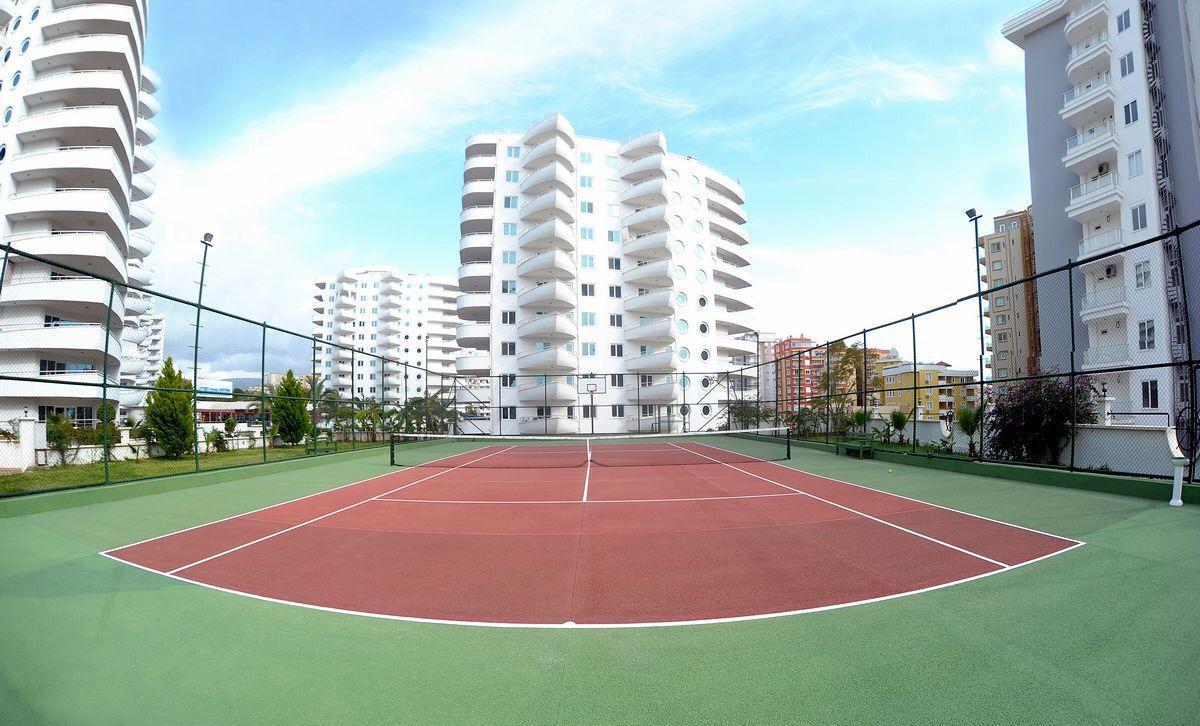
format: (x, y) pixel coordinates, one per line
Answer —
(967, 419)
(899, 420)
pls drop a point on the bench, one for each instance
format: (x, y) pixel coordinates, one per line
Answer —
(857, 444)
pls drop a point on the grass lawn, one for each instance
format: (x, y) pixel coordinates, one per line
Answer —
(1104, 634)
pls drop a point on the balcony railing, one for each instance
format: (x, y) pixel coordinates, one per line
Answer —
(1101, 183)
(1087, 46)
(1104, 240)
(1098, 131)
(1101, 297)
(1106, 354)
(1101, 81)
(1084, 9)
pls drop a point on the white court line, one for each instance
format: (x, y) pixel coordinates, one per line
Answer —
(280, 504)
(591, 501)
(901, 496)
(587, 475)
(935, 540)
(324, 516)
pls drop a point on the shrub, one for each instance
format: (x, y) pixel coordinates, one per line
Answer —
(169, 412)
(216, 441)
(290, 410)
(230, 424)
(1031, 421)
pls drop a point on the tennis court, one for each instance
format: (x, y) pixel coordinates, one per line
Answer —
(643, 530)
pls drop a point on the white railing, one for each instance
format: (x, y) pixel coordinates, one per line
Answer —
(1111, 238)
(638, 160)
(1104, 355)
(534, 199)
(1087, 46)
(1100, 183)
(1101, 81)
(68, 38)
(1100, 297)
(643, 293)
(639, 355)
(554, 283)
(1084, 8)
(1100, 130)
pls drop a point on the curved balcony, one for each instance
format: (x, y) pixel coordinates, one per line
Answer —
(551, 264)
(645, 167)
(557, 360)
(658, 302)
(132, 366)
(1109, 301)
(151, 81)
(134, 334)
(1090, 102)
(723, 184)
(83, 88)
(144, 159)
(1107, 356)
(140, 275)
(731, 251)
(551, 233)
(474, 335)
(648, 246)
(667, 391)
(656, 331)
(479, 166)
(78, 126)
(665, 361)
(340, 353)
(729, 230)
(473, 364)
(647, 219)
(388, 327)
(1092, 147)
(7, 11)
(733, 299)
(1087, 20)
(547, 296)
(475, 247)
(554, 149)
(551, 176)
(1094, 198)
(549, 126)
(731, 275)
(475, 277)
(140, 216)
(473, 395)
(71, 209)
(650, 142)
(69, 339)
(147, 131)
(143, 187)
(478, 193)
(64, 385)
(550, 393)
(390, 312)
(475, 306)
(93, 251)
(148, 106)
(1089, 58)
(645, 192)
(475, 220)
(85, 297)
(548, 425)
(729, 345)
(549, 204)
(726, 207)
(137, 303)
(548, 327)
(1100, 244)
(74, 167)
(651, 274)
(103, 51)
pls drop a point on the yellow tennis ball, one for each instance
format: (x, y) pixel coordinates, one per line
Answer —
(889, 471)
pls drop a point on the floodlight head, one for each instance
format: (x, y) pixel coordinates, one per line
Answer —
(972, 214)
(207, 238)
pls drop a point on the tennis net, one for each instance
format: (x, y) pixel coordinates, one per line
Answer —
(557, 452)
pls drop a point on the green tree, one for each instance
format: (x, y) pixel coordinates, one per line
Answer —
(59, 434)
(290, 409)
(967, 419)
(899, 420)
(230, 424)
(169, 412)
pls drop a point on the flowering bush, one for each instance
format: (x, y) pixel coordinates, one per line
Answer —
(1031, 421)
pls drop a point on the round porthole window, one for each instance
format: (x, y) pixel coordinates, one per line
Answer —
(705, 355)
(16, 23)
(676, 221)
(699, 252)
(695, 202)
(682, 325)
(705, 382)
(675, 198)
(681, 298)
(684, 354)
(706, 410)
(704, 328)
(675, 174)
(684, 381)
(702, 301)
(7, 54)
(34, 15)
(16, 79)
(698, 226)
(8, 114)
(695, 180)
(3, 152)
(678, 246)
(680, 272)
(684, 410)
(24, 46)
(701, 276)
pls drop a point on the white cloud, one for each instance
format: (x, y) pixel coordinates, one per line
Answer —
(870, 78)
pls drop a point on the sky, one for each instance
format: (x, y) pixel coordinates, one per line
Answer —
(309, 136)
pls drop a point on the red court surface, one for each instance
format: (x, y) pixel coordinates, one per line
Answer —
(703, 539)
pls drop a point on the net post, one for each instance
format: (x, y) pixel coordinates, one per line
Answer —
(916, 404)
(1074, 395)
(789, 443)
(312, 392)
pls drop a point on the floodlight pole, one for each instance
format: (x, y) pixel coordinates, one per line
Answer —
(975, 217)
(206, 241)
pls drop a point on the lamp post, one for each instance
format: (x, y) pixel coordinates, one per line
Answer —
(206, 240)
(974, 218)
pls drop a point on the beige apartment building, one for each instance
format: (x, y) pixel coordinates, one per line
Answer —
(1007, 255)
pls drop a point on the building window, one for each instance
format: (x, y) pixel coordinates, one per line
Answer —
(589, 411)
(1131, 112)
(587, 319)
(1146, 335)
(508, 317)
(1000, 301)
(508, 257)
(510, 202)
(510, 229)
(998, 264)
(995, 247)
(1138, 215)
(585, 157)
(587, 289)
(585, 207)
(587, 262)
(614, 263)
(615, 320)
(508, 286)
(587, 233)
(614, 291)
(508, 413)
(508, 380)
(508, 348)
(1141, 274)
(616, 350)
(618, 411)
(1127, 64)
(587, 182)
(1135, 163)
(587, 349)
(1123, 22)
(616, 380)
(1149, 394)
(614, 236)
(611, 161)
(513, 152)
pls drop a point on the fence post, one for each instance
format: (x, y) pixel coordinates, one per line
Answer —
(112, 289)
(262, 392)
(828, 403)
(1074, 397)
(916, 409)
(312, 392)
(353, 400)
(207, 243)
(866, 409)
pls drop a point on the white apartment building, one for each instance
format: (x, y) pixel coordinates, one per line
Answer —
(141, 356)
(1105, 173)
(380, 311)
(76, 110)
(584, 257)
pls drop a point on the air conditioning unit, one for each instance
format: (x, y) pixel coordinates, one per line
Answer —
(1110, 271)
(1103, 169)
